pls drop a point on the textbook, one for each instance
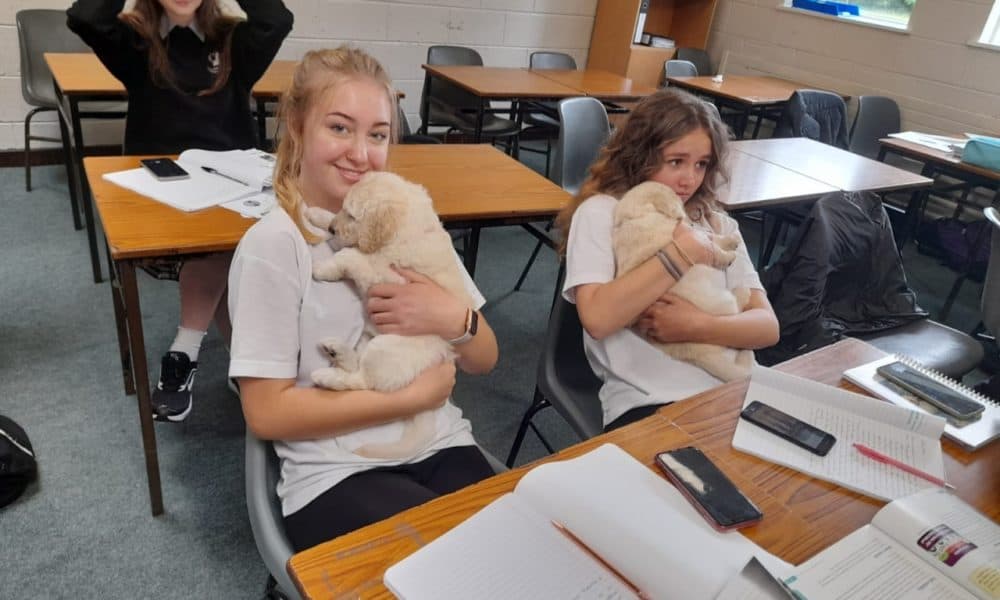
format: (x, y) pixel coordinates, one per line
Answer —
(972, 434)
(908, 435)
(547, 540)
(214, 178)
(927, 546)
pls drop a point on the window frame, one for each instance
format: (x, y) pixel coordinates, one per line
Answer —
(884, 24)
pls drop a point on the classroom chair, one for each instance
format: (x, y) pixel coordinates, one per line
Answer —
(565, 379)
(447, 105)
(262, 470)
(990, 301)
(877, 117)
(698, 57)
(40, 31)
(678, 68)
(583, 133)
(843, 276)
(542, 117)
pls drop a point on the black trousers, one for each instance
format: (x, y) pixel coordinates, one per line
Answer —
(373, 495)
(636, 414)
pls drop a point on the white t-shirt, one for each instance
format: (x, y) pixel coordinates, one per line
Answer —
(635, 373)
(280, 313)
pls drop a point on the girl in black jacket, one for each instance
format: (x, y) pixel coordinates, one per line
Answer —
(188, 67)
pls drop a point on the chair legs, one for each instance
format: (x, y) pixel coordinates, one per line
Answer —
(538, 403)
(27, 144)
(531, 260)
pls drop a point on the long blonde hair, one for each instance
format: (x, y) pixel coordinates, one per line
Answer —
(216, 27)
(635, 151)
(318, 71)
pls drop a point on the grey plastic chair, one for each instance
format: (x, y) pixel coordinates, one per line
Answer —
(877, 117)
(697, 56)
(565, 379)
(551, 60)
(542, 117)
(40, 31)
(990, 302)
(446, 105)
(264, 508)
(584, 132)
(679, 68)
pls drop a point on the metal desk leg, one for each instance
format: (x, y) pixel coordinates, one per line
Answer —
(88, 204)
(479, 120)
(425, 104)
(137, 347)
(118, 300)
(262, 124)
(471, 249)
(70, 179)
(744, 119)
(911, 218)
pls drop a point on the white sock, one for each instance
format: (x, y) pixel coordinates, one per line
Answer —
(188, 341)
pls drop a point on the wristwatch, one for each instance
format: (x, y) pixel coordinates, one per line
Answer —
(471, 325)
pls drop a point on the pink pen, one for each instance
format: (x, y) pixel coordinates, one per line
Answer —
(876, 455)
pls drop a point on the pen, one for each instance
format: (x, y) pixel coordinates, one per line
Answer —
(569, 534)
(216, 172)
(882, 458)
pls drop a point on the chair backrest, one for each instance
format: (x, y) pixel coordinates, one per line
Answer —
(264, 508)
(583, 133)
(39, 31)
(564, 375)
(406, 135)
(814, 114)
(679, 68)
(990, 303)
(551, 60)
(444, 93)
(697, 56)
(877, 117)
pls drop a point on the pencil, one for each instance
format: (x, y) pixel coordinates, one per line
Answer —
(618, 575)
(882, 458)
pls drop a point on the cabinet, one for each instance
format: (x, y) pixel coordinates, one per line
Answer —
(687, 22)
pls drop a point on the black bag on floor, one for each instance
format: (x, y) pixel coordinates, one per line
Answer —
(17, 461)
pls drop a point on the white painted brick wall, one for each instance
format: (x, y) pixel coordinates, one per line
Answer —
(941, 83)
(397, 32)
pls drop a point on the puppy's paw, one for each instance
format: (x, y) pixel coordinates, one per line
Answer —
(328, 270)
(340, 353)
(320, 217)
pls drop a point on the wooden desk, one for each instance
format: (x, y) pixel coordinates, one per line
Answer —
(492, 189)
(839, 168)
(598, 83)
(81, 77)
(747, 93)
(755, 183)
(802, 515)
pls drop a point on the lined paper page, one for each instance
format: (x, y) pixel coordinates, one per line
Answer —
(907, 435)
(506, 550)
(200, 190)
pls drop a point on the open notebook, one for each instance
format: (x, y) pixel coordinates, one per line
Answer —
(972, 434)
(619, 508)
(907, 435)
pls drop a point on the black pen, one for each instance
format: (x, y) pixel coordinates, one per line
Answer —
(216, 172)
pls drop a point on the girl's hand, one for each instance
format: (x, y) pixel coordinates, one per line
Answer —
(431, 388)
(696, 247)
(671, 319)
(417, 307)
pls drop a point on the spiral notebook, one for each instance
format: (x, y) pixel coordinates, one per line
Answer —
(972, 435)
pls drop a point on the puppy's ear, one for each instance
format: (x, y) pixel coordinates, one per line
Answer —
(667, 202)
(320, 217)
(378, 225)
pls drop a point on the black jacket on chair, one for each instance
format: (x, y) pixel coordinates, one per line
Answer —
(841, 275)
(817, 115)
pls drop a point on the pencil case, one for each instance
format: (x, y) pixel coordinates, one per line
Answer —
(982, 151)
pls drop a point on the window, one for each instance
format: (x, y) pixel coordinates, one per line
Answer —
(991, 33)
(888, 13)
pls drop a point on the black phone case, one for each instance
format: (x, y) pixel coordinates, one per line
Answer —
(721, 503)
(750, 416)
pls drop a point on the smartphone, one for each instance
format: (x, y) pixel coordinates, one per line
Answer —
(949, 400)
(164, 169)
(786, 426)
(708, 489)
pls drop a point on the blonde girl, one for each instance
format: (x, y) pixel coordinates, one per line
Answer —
(337, 120)
(675, 139)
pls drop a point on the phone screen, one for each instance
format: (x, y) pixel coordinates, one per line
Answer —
(164, 168)
(785, 425)
(708, 488)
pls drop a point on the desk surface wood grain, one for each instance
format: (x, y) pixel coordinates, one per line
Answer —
(802, 515)
(598, 83)
(501, 82)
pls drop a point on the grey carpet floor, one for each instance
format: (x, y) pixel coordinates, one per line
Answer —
(84, 530)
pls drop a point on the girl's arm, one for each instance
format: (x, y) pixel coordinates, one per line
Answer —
(606, 308)
(673, 319)
(275, 409)
(97, 24)
(256, 42)
(421, 307)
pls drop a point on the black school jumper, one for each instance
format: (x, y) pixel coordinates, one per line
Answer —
(164, 120)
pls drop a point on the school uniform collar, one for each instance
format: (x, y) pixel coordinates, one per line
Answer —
(166, 26)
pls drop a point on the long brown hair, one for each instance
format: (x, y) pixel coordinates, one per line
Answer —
(317, 72)
(635, 151)
(216, 27)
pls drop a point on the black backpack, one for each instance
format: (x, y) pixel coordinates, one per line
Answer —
(17, 461)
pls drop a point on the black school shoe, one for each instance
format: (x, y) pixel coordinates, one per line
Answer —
(172, 396)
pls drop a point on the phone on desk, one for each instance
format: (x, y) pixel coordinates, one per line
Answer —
(707, 488)
(164, 169)
(948, 399)
(788, 427)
